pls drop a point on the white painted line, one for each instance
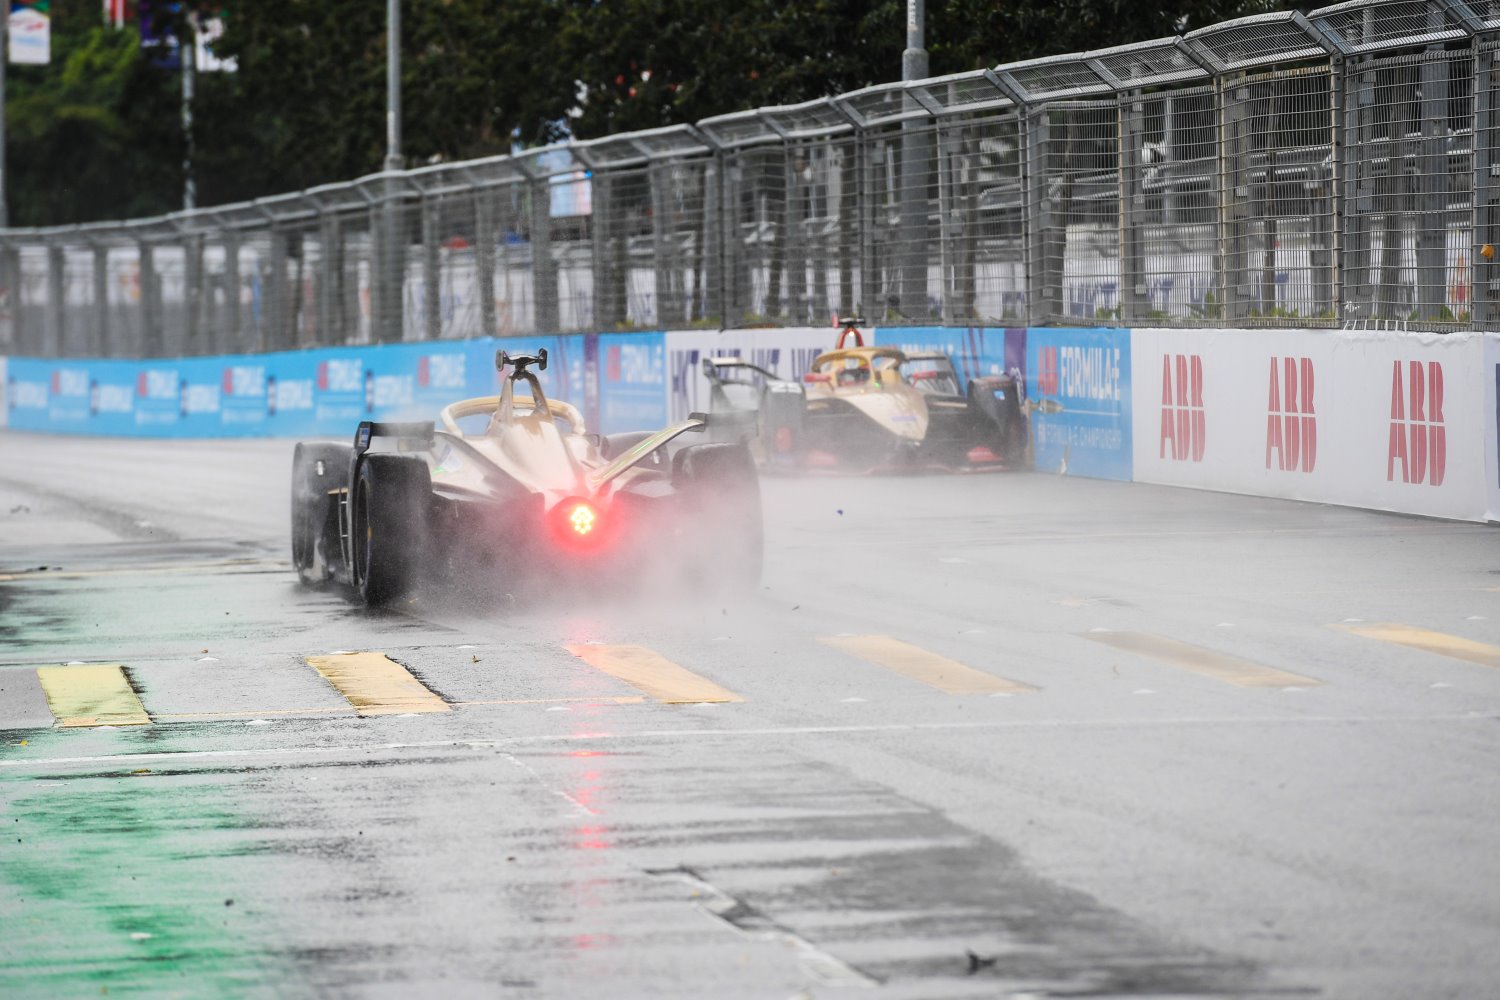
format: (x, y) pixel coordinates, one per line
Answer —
(670, 734)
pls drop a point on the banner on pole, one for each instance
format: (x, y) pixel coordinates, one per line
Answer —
(30, 34)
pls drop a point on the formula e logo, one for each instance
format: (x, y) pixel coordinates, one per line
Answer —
(1184, 422)
(1418, 440)
(70, 382)
(441, 371)
(634, 364)
(244, 380)
(341, 375)
(1047, 371)
(157, 383)
(1291, 423)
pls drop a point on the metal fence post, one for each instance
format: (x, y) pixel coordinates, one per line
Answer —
(432, 270)
(99, 344)
(543, 267)
(484, 258)
(151, 328)
(54, 343)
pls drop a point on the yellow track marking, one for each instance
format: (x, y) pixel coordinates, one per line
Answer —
(920, 665)
(93, 695)
(1432, 642)
(375, 684)
(652, 673)
(619, 699)
(1208, 662)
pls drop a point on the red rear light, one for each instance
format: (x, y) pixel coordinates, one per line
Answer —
(812, 377)
(581, 518)
(577, 522)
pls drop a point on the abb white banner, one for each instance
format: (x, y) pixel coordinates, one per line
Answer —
(788, 352)
(1378, 419)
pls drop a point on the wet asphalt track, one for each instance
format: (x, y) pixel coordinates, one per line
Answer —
(995, 736)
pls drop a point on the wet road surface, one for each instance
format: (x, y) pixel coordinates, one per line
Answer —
(1009, 736)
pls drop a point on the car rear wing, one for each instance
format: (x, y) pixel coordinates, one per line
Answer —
(735, 422)
(716, 369)
(368, 430)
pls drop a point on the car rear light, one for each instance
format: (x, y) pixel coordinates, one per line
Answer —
(980, 455)
(814, 377)
(577, 522)
(784, 442)
(581, 518)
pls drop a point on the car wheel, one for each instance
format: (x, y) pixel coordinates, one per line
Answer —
(392, 494)
(316, 469)
(722, 491)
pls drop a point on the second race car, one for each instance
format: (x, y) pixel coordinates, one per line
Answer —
(513, 490)
(873, 409)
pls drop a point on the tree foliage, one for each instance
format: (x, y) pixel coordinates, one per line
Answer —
(97, 133)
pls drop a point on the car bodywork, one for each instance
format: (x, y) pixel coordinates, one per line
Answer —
(869, 409)
(513, 487)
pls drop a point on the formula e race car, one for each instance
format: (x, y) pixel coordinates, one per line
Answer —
(873, 409)
(512, 489)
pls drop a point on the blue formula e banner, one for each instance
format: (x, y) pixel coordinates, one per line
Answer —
(1078, 392)
(323, 392)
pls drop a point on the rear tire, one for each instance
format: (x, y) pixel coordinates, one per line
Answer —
(388, 525)
(313, 509)
(721, 491)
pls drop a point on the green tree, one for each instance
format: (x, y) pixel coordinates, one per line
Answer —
(93, 134)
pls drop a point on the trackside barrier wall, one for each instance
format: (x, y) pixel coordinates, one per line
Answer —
(1393, 421)
(1386, 421)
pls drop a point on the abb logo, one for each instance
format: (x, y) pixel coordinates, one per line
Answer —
(1291, 424)
(1046, 373)
(1418, 441)
(1184, 424)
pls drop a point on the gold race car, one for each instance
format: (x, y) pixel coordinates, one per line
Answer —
(873, 409)
(513, 491)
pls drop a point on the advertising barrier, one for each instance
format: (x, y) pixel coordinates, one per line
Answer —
(784, 351)
(309, 393)
(1384, 420)
(1376, 419)
(1078, 389)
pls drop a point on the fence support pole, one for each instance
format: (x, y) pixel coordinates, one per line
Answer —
(484, 258)
(55, 343)
(99, 345)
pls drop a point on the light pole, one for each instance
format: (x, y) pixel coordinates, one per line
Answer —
(914, 144)
(4, 66)
(393, 85)
(392, 268)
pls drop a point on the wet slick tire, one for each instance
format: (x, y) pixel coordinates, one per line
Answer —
(721, 491)
(316, 469)
(388, 529)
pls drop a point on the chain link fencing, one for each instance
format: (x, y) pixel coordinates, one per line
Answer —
(1326, 170)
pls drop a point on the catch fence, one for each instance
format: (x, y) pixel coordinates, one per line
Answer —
(1326, 170)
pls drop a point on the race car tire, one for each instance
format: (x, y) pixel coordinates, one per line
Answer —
(316, 469)
(392, 496)
(722, 492)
